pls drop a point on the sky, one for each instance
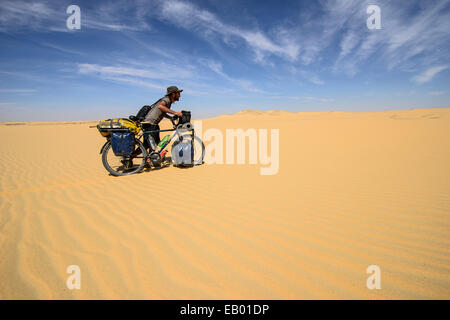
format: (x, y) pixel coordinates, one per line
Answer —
(226, 55)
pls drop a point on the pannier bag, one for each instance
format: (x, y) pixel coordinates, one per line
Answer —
(186, 117)
(122, 143)
(106, 126)
(182, 153)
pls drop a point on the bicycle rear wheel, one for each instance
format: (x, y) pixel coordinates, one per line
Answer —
(123, 165)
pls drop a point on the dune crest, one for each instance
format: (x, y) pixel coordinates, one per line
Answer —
(249, 112)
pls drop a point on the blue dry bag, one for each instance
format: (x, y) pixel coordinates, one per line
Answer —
(122, 143)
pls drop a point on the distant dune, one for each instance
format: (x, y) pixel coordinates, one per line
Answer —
(248, 112)
(47, 123)
(353, 189)
(393, 114)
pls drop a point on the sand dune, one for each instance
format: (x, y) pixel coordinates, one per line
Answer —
(353, 189)
(249, 112)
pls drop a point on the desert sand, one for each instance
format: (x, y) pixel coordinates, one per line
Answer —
(353, 189)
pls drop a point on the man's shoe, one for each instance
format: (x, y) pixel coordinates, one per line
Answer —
(127, 164)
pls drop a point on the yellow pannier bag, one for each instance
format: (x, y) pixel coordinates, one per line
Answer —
(108, 125)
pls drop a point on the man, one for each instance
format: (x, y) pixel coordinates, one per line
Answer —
(158, 112)
(154, 116)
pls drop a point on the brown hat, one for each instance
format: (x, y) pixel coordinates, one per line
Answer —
(172, 89)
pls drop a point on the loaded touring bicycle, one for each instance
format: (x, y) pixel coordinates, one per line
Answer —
(124, 153)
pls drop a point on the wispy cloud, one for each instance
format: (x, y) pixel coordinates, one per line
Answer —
(50, 16)
(309, 76)
(137, 82)
(189, 16)
(163, 71)
(437, 93)
(409, 31)
(151, 48)
(132, 76)
(315, 79)
(22, 14)
(61, 49)
(152, 79)
(428, 74)
(244, 84)
(18, 90)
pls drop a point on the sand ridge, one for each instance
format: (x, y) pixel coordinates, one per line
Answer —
(353, 189)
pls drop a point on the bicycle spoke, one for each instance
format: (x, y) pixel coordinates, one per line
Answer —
(123, 165)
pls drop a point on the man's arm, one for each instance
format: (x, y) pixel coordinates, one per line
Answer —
(162, 106)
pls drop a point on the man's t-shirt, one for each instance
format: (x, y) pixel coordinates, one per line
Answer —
(155, 115)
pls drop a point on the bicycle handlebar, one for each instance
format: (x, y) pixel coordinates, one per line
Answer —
(140, 123)
(175, 118)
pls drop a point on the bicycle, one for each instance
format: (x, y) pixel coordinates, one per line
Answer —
(123, 165)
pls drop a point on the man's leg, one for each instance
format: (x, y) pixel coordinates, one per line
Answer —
(137, 152)
(157, 139)
(155, 135)
(146, 127)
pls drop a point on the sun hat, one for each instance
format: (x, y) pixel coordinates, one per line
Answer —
(172, 89)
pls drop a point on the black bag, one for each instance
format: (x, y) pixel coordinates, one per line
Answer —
(122, 143)
(143, 113)
(145, 110)
(186, 117)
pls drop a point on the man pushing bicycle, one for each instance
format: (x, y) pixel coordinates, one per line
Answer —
(129, 140)
(159, 111)
(153, 115)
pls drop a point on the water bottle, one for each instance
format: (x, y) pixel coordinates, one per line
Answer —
(164, 141)
(152, 142)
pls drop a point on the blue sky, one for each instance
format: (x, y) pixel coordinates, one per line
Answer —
(226, 55)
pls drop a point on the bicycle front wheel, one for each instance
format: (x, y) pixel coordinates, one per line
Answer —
(123, 165)
(198, 149)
